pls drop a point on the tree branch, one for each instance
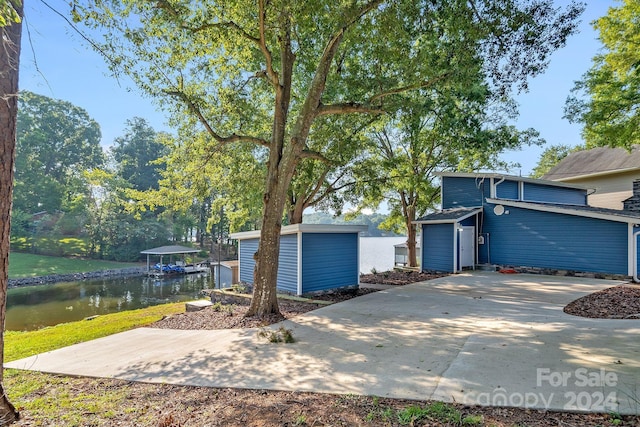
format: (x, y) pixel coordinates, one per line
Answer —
(315, 155)
(402, 89)
(262, 42)
(219, 138)
(347, 108)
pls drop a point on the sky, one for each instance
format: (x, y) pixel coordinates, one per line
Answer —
(56, 62)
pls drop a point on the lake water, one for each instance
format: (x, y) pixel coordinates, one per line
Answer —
(378, 253)
(33, 307)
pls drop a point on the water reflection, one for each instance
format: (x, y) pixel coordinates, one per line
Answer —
(34, 307)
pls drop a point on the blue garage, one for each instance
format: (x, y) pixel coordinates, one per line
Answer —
(503, 220)
(313, 257)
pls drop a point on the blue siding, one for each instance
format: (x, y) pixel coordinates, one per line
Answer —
(508, 190)
(248, 248)
(551, 194)
(637, 253)
(437, 247)
(329, 261)
(288, 263)
(552, 240)
(462, 192)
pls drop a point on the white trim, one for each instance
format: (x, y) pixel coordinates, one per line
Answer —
(492, 188)
(635, 257)
(631, 247)
(511, 178)
(239, 260)
(299, 273)
(448, 221)
(521, 191)
(358, 260)
(421, 250)
(455, 248)
(473, 229)
(563, 210)
(597, 174)
(303, 228)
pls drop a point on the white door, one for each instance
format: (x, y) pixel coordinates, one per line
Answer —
(467, 247)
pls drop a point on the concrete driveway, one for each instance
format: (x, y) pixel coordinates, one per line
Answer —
(479, 338)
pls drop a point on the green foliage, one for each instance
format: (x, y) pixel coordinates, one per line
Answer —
(9, 12)
(56, 142)
(115, 230)
(436, 411)
(136, 154)
(21, 224)
(264, 87)
(373, 221)
(439, 130)
(29, 265)
(607, 99)
(550, 157)
(281, 335)
(224, 308)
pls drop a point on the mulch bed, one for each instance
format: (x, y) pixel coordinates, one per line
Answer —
(619, 302)
(399, 277)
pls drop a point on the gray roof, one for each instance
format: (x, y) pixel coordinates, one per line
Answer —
(168, 250)
(578, 210)
(448, 215)
(596, 161)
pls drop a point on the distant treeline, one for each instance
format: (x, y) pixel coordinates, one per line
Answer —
(372, 221)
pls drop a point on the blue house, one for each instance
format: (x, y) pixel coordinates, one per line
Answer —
(496, 219)
(313, 257)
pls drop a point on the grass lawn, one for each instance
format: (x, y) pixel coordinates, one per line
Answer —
(19, 344)
(29, 265)
(65, 404)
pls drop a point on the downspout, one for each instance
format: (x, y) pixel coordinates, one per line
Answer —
(494, 188)
(299, 264)
(455, 247)
(635, 256)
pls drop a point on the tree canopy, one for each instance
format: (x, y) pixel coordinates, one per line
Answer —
(135, 155)
(57, 142)
(267, 72)
(550, 157)
(607, 99)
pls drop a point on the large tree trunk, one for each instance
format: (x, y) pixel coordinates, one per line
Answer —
(9, 61)
(411, 237)
(264, 301)
(296, 212)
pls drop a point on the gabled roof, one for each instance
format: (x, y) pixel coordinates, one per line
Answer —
(495, 175)
(595, 162)
(629, 217)
(168, 250)
(304, 228)
(448, 216)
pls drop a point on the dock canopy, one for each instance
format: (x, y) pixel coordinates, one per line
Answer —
(170, 250)
(163, 251)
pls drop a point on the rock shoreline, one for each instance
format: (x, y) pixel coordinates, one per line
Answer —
(73, 277)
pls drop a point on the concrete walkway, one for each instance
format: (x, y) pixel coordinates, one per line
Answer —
(481, 338)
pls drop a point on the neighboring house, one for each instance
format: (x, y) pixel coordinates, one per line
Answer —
(502, 220)
(608, 172)
(313, 257)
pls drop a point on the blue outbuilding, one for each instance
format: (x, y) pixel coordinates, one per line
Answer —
(496, 219)
(313, 257)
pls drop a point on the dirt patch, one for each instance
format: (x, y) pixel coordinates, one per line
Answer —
(161, 405)
(619, 302)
